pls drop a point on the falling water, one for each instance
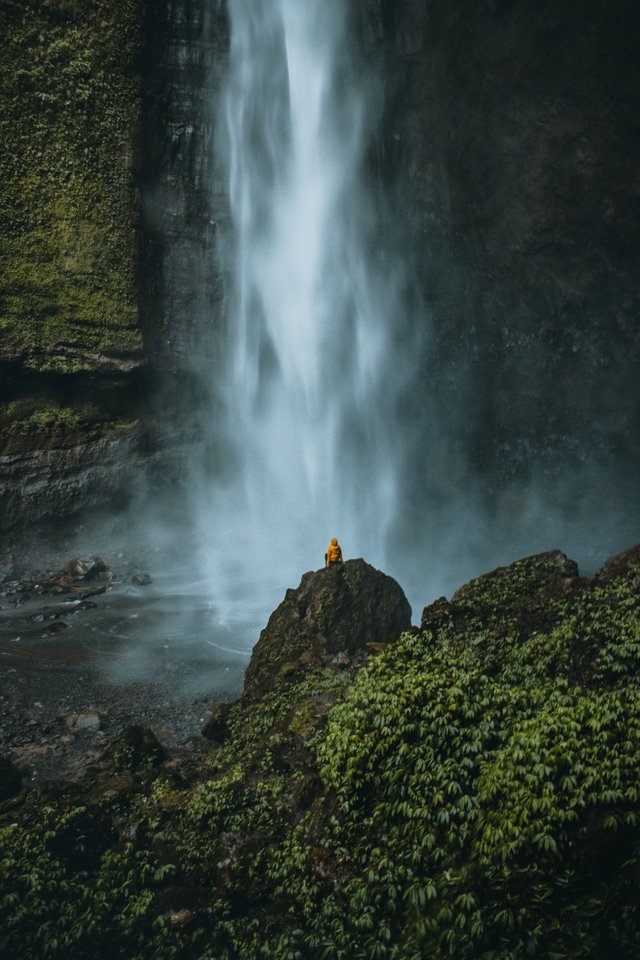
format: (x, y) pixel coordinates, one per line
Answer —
(306, 386)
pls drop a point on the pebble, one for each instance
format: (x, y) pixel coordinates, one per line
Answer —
(141, 579)
(88, 721)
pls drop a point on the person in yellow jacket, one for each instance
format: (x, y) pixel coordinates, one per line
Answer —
(333, 554)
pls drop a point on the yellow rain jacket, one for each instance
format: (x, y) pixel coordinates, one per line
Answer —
(334, 552)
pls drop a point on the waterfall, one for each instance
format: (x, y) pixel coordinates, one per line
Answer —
(306, 384)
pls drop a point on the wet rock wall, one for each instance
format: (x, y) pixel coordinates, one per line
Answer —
(183, 193)
(511, 142)
(101, 327)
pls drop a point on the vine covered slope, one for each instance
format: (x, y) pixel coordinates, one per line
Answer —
(469, 790)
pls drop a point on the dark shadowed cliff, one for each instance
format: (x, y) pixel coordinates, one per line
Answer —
(511, 143)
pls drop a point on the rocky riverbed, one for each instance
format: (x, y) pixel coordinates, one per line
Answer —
(93, 645)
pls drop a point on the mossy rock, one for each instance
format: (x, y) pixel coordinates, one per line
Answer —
(340, 608)
(69, 114)
(137, 748)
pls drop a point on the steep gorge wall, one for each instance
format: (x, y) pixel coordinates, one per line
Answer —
(72, 361)
(512, 143)
(183, 193)
(69, 121)
(108, 275)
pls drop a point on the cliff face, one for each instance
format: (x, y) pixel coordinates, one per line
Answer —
(107, 243)
(71, 353)
(511, 141)
(183, 194)
(507, 152)
(69, 120)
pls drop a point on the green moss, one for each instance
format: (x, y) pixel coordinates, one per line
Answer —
(69, 111)
(33, 424)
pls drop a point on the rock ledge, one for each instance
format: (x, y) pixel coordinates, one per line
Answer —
(335, 610)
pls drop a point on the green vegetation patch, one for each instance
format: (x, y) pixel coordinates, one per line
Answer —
(33, 424)
(69, 112)
(473, 792)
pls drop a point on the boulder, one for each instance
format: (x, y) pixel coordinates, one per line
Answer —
(342, 608)
(626, 564)
(141, 579)
(88, 721)
(543, 572)
(86, 568)
(519, 596)
(135, 749)
(216, 728)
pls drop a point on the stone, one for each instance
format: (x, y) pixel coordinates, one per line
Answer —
(520, 596)
(91, 591)
(14, 588)
(88, 721)
(85, 605)
(216, 728)
(338, 609)
(542, 571)
(136, 748)
(86, 568)
(624, 564)
(10, 778)
(141, 579)
(180, 918)
(436, 614)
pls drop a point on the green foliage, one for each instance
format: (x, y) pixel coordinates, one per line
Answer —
(26, 425)
(473, 793)
(69, 110)
(54, 905)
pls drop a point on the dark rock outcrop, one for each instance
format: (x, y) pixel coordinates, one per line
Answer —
(516, 595)
(216, 728)
(543, 571)
(622, 565)
(42, 484)
(10, 778)
(136, 748)
(336, 610)
(511, 128)
(183, 197)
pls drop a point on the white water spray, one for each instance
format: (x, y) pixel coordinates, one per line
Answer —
(306, 393)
